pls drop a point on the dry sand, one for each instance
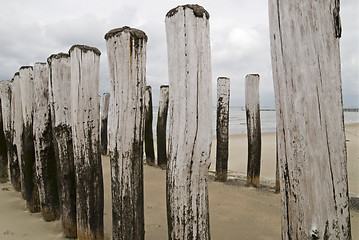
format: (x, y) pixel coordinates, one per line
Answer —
(236, 212)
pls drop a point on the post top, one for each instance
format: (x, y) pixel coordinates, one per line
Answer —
(25, 67)
(198, 10)
(17, 74)
(164, 86)
(58, 56)
(223, 78)
(85, 48)
(252, 75)
(135, 33)
(148, 87)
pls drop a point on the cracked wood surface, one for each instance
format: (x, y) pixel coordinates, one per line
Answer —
(311, 140)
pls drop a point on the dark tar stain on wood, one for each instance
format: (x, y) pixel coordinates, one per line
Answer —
(198, 10)
(85, 48)
(135, 33)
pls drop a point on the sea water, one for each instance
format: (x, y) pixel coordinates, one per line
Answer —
(238, 124)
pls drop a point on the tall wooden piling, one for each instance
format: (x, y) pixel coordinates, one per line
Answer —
(6, 145)
(149, 148)
(28, 150)
(60, 105)
(17, 123)
(306, 68)
(128, 81)
(85, 114)
(4, 175)
(44, 149)
(104, 122)
(190, 125)
(253, 129)
(223, 95)
(162, 127)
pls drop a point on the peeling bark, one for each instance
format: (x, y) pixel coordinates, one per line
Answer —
(85, 114)
(190, 125)
(223, 95)
(310, 125)
(104, 120)
(126, 49)
(253, 130)
(44, 149)
(162, 127)
(28, 151)
(60, 106)
(149, 148)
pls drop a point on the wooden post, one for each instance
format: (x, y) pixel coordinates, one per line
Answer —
(17, 122)
(4, 176)
(5, 96)
(128, 81)
(149, 148)
(253, 130)
(85, 112)
(277, 166)
(28, 150)
(223, 95)
(162, 127)
(307, 83)
(60, 105)
(104, 120)
(190, 125)
(44, 147)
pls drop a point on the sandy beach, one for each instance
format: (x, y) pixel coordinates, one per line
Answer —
(236, 212)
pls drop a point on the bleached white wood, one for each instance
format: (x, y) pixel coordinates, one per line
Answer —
(222, 128)
(126, 50)
(253, 129)
(44, 149)
(85, 114)
(5, 141)
(17, 123)
(104, 122)
(162, 127)
(28, 151)
(305, 53)
(190, 123)
(60, 102)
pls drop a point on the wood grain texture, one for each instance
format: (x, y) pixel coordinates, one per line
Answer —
(126, 49)
(60, 106)
(44, 148)
(104, 122)
(27, 138)
(253, 129)
(190, 123)
(161, 128)
(222, 128)
(17, 123)
(311, 140)
(85, 115)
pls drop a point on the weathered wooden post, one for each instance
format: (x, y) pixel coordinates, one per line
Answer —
(44, 148)
(60, 105)
(307, 83)
(253, 129)
(28, 150)
(277, 166)
(149, 148)
(17, 123)
(223, 95)
(128, 81)
(85, 112)
(6, 106)
(190, 125)
(104, 120)
(4, 175)
(162, 127)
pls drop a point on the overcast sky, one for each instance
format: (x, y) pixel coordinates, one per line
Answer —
(32, 30)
